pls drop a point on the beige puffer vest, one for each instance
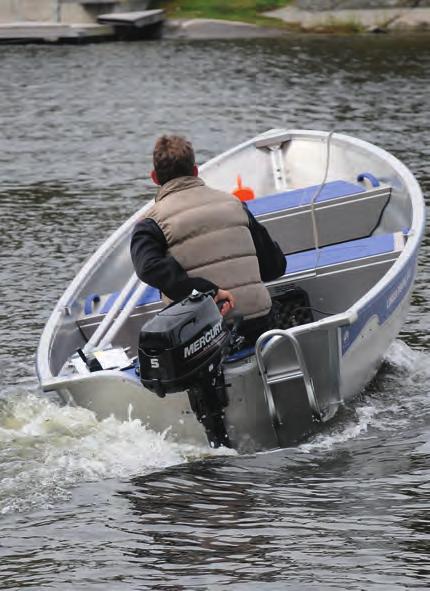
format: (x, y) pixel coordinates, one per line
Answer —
(207, 233)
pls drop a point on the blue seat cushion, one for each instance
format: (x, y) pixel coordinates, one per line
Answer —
(149, 296)
(340, 253)
(298, 197)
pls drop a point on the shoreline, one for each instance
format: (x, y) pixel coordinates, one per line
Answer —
(210, 28)
(370, 20)
(287, 22)
(292, 20)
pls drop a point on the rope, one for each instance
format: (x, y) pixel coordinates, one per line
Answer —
(315, 197)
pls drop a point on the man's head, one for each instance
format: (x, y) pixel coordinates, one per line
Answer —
(173, 157)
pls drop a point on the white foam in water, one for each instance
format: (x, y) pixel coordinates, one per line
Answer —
(352, 430)
(402, 356)
(46, 448)
(377, 413)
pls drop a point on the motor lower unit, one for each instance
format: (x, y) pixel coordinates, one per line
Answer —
(182, 348)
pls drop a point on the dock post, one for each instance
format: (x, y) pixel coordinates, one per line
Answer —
(56, 11)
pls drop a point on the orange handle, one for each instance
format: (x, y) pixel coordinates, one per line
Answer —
(243, 193)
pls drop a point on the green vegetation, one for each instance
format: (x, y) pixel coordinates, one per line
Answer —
(236, 10)
(250, 11)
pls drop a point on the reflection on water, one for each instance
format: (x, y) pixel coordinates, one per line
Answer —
(90, 504)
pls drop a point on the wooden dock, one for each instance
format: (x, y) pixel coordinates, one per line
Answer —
(146, 24)
(139, 19)
(47, 32)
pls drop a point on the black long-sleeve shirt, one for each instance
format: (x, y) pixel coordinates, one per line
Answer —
(154, 266)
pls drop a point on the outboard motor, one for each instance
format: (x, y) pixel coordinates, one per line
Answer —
(182, 348)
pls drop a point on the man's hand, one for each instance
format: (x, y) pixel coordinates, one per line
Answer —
(223, 294)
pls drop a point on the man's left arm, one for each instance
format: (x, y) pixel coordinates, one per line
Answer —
(271, 259)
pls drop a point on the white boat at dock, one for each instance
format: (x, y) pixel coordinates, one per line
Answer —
(349, 217)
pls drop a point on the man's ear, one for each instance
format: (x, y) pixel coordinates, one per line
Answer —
(154, 178)
(195, 170)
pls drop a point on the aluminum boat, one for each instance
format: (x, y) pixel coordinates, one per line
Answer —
(349, 217)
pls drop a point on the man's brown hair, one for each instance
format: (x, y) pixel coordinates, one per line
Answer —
(173, 157)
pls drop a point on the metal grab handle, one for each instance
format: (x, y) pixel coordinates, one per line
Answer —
(261, 341)
(313, 402)
(273, 411)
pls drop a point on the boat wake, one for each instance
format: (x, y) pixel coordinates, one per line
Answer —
(391, 402)
(46, 449)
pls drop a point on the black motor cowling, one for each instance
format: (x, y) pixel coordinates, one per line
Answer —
(181, 344)
(182, 348)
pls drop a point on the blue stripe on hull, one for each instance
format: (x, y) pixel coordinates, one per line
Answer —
(383, 305)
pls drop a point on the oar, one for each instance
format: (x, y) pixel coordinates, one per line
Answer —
(110, 316)
(123, 316)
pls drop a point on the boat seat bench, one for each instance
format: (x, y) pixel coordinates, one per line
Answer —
(300, 197)
(377, 248)
(343, 211)
(346, 252)
(287, 217)
(380, 249)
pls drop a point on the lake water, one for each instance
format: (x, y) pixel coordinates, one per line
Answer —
(88, 505)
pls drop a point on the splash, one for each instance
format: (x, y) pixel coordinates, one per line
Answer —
(389, 406)
(46, 449)
(402, 357)
(364, 417)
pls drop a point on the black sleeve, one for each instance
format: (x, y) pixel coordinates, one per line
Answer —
(154, 266)
(271, 259)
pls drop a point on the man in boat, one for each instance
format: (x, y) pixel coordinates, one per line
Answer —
(196, 237)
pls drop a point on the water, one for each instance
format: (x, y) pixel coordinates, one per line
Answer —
(87, 505)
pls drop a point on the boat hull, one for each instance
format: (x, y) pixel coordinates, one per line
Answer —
(247, 419)
(304, 373)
